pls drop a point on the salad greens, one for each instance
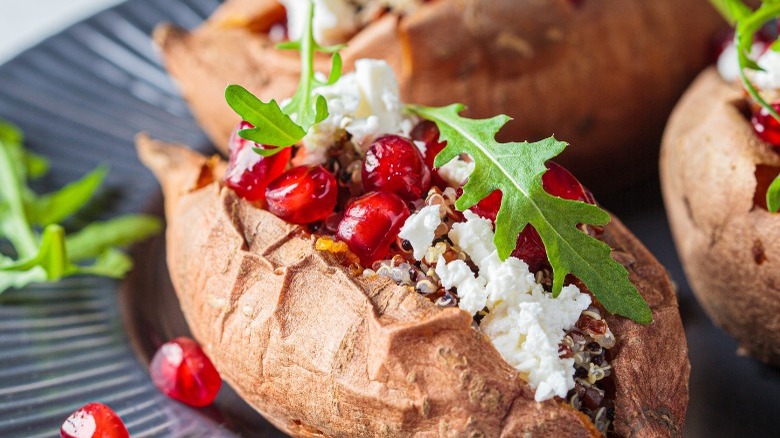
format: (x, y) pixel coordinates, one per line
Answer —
(285, 126)
(747, 23)
(30, 223)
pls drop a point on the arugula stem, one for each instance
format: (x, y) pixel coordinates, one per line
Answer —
(20, 234)
(307, 62)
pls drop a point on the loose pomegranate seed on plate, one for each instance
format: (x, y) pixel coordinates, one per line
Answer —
(303, 194)
(181, 370)
(94, 420)
(766, 126)
(394, 164)
(248, 173)
(371, 223)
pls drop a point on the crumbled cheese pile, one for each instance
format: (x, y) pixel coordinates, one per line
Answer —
(525, 323)
(366, 104)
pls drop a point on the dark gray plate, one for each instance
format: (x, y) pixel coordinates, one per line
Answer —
(80, 97)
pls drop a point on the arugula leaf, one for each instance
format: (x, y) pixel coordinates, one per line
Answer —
(773, 196)
(285, 126)
(272, 126)
(54, 207)
(516, 169)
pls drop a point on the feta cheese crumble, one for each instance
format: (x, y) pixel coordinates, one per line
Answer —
(420, 229)
(769, 78)
(335, 21)
(366, 104)
(525, 323)
(456, 171)
(728, 62)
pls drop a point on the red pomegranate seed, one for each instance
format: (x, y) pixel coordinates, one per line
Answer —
(766, 126)
(394, 164)
(559, 182)
(181, 370)
(303, 194)
(248, 173)
(371, 223)
(94, 420)
(428, 133)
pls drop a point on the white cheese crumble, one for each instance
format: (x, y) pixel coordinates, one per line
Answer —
(334, 20)
(769, 78)
(456, 171)
(728, 62)
(420, 229)
(366, 104)
(525, 323)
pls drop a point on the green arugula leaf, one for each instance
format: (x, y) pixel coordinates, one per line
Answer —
(516, 169)
(285, 126)
(54, 207)
(272, 126)
(773, 196)
(94, 239)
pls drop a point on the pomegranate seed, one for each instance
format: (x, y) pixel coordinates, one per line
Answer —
(428, 133)
(94, 420)
(394, 164)
(766, 126)
(248, 173)
(303, 194)
(559, 182)
(181, 370)
(371, 223)
(488, 206)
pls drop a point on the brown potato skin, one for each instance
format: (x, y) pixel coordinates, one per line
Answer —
(603, 76)
(322, 353)
(729, 247)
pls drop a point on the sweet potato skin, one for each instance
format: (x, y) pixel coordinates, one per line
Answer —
(603, 75)
(729, 247)
(321, 353)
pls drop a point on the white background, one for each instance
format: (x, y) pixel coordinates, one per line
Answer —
(26, 22)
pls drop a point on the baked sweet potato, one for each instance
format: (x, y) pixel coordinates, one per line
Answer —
(603, 75)
(714, 174)
(320, 352)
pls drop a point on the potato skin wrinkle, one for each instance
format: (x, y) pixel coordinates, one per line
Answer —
(321, 353)
(603, 75)
(729, 246)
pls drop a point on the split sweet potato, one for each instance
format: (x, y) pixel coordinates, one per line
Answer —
(320, 352)
(714, 175)
(603, 75)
